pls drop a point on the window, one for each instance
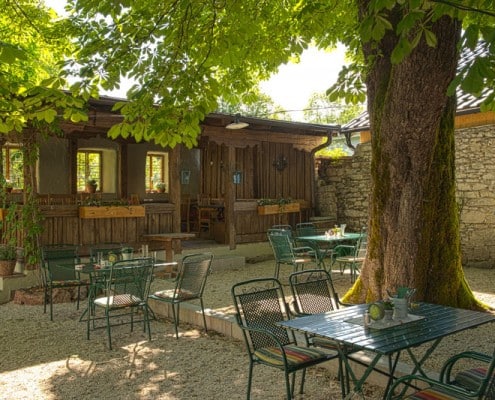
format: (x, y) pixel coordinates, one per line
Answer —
(89, 166)
(13, 166)
(156, 171)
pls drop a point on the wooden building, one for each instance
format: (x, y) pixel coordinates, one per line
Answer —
(230, 169)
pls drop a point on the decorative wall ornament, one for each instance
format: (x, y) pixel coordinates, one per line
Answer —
(280, 163)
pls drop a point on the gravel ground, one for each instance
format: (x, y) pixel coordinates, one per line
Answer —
(53, 360)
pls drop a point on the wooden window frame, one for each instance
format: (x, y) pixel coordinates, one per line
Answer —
(87, 168)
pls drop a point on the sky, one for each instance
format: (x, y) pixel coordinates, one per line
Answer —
(293, 85)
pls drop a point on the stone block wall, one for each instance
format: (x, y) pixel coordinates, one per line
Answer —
(343, 191)
(475, 176)
(343, 188)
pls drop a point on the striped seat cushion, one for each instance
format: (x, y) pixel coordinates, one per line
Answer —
(296, 355)
(68, 282)
(435, 393)
(471, 378)
(325, 343)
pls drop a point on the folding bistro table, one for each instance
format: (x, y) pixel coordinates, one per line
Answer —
(427, 323)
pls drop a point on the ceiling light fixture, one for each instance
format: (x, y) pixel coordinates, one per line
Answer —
(237, 124)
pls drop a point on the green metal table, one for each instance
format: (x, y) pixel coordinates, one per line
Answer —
(429, 323)
(330, 238)
(329, 241)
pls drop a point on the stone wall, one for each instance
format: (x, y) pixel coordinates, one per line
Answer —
(343, 192)
(343, 188)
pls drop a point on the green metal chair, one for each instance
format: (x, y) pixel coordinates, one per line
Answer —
(355, 259)
(286, 254)
(58, 267)
(260, 304)
(189, 285)
(477, 381)
(313, 293)
(125, 292)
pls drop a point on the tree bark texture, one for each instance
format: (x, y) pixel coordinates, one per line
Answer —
(413, 220)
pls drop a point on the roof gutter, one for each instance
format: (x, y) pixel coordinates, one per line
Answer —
(327, 143)
(348, 140)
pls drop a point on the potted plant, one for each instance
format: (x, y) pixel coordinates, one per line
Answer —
(388, 307)
(9, 186)
(8, 257)
(277, 206)
(91, 185)
(127, 253)
(160, 187)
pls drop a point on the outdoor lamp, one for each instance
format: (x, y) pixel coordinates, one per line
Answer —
(237, 177)
(237, 124)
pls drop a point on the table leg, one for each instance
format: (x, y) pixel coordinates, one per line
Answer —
(169, 251)
(393, 360)
(358, 383)
(177, 246)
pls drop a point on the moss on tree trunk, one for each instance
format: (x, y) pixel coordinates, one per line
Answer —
(413, 225)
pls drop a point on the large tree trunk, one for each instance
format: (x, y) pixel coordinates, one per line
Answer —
(413, 225)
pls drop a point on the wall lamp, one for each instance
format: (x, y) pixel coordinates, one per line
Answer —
(280, 163)
(237, 124)
(237, 177)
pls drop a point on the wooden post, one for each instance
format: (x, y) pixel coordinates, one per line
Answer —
(230, 198)
(72, 161)
(123, 188)
(174, 185)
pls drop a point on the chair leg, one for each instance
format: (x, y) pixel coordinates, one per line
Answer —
(51, 304)
(45, 297)
(151, 312)
(277, 269)
(78, 296)
(176, 319)
(203, 312)
(132, 319)
(107, 315)
(303, 379)
(250, 378)
(147, 321)
(289, 386)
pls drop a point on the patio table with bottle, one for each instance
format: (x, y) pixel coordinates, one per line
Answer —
(353, 328)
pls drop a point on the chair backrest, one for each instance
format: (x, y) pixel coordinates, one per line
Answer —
(58, 261)
(203, 200)
(260, 304)
(192, 274)
(131, 278)
(313, 291)
(306, 229)
(362, 244)
(285, 227)
(281, 242)
(489, 392)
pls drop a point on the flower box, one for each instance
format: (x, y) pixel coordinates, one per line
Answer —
(270, 209)
(111, 211)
